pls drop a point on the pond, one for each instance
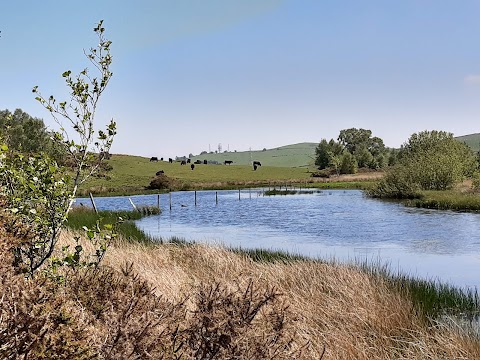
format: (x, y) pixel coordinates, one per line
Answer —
(333, 224)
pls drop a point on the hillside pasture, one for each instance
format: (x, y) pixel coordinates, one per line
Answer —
(472, 140)
(134, 173)
(295, 155)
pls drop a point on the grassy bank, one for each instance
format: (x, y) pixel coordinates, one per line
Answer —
(447, 200)
(344, 310)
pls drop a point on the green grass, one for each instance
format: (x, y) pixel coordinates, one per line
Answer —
(280, 192)
(343, 185)
(295, 155)
(79, 217)
(447, 200)
(269, 256)
(472, 140)
(131, 174)
(432, 298)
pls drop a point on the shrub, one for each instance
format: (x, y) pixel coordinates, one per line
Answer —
(161, 182)
(398, 183)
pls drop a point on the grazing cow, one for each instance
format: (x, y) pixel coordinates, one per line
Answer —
(183, 162)
(154, 158)
(205, 162)
(254, 167)
(188, 161)
(170, 160)
(160, 172)
(198, 162)
(228, 162)
(192, 166)
(257, 163)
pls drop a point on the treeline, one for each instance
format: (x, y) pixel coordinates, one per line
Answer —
(354, 148)
(428, 160)
(24, 133)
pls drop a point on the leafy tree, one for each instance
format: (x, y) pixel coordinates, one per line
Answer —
(325, 152)
(348, 163)
(89, 149)
(22, 132)
(363, 156)
(37, 190)
(367, 151)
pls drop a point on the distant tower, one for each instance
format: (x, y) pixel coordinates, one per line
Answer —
(219, 147)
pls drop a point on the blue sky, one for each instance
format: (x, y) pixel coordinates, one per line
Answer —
(190, 74)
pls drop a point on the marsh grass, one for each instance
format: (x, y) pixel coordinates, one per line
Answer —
(447, 200)
(269, 256)
(80, 216)
(432, 298)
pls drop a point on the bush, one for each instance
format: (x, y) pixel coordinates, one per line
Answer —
(398, 183)
(161, 182)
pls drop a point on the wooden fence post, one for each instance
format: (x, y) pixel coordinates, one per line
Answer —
(93, 203)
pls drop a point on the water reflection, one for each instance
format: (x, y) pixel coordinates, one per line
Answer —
(338, 224)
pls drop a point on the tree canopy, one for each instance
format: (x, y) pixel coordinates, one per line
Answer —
(354, 148)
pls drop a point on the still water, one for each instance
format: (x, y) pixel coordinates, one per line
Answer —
(331, 224)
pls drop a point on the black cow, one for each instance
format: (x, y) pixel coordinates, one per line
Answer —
(254, 167)
(257, 163)
(188, 161)
(205, 162)
(170, 160)
(154, 158)
(228, 162)
(198, 162)
(192, 166)
(161, 159)
(183, 162)
(160, 172)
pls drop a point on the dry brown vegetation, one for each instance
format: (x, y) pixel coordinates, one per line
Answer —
(203, 302)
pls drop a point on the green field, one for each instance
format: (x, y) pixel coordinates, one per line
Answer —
(132, 174)
(295, 155)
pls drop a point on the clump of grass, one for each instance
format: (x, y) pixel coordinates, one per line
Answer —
(80, 217)
(269, 256)
(447, 200)
(432, 298)
(280, 192)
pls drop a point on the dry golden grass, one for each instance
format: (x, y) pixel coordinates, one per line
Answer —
(333, 307)
(147, 300)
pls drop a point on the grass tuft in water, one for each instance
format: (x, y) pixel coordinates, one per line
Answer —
(432, 298)
(79, 217)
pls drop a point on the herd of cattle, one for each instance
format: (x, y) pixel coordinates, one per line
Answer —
(192, 166)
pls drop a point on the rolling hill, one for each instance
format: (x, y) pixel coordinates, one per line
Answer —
(295, 155)
(472, 140)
